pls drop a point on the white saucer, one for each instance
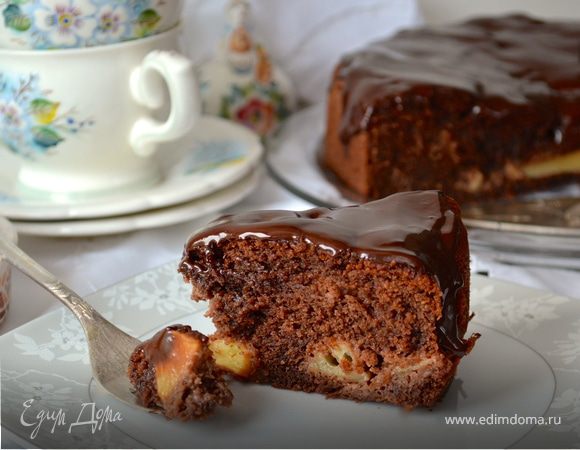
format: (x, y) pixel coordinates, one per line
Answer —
(214, 155)
(525, 366)
(182, 212)
(300, 420)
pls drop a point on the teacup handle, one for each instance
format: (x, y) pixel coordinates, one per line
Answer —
(178, 73)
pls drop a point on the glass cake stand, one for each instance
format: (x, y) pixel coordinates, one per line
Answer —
(537, 231)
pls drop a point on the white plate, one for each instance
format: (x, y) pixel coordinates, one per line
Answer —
(155, 218)
(215, 154)
(527, 362)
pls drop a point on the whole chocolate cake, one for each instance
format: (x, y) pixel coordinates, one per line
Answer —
(484, 109)
(367, 302)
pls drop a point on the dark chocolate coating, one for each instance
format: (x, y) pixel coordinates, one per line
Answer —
(501, 64)
(161, 348)
(422, 229)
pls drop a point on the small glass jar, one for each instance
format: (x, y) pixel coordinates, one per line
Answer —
(6, 232)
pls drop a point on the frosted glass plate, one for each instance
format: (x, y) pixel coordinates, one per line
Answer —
(548, 222)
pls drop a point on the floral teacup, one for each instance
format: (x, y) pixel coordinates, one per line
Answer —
(53, 24)
(84, 121)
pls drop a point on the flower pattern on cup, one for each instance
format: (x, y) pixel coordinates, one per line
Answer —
(64, 23)
(49, 24)
(111, 24)
(31, 122)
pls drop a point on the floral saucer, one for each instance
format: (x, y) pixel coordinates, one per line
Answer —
(155, 218)
(216, 154)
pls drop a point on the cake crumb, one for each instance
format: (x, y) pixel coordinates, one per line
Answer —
(175, 373)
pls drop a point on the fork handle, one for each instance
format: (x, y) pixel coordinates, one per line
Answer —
(81, 309)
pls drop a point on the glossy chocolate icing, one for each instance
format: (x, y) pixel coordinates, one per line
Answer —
(421, 228)
(498, 63)
(162, 346)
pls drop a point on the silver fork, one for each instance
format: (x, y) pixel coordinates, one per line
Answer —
(109, 347)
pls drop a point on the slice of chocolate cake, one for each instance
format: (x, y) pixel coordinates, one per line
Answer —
(488, 108)
(367, 302)
(174, 372)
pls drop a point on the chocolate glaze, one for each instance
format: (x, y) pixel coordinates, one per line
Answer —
(161, 347)
(500, 64)
(421, 228)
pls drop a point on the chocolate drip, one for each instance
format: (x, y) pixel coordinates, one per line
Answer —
(489, 65)
(161, 347)
(422, 229)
